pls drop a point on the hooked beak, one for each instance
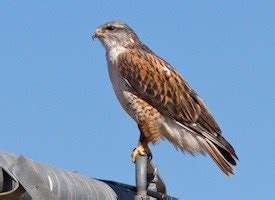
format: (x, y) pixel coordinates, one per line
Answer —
(98, 33)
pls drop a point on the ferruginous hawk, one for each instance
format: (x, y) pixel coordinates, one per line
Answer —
(158, 98)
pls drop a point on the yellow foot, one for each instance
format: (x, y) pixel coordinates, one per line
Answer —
(143, 150)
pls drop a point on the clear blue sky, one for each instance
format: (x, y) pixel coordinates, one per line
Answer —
(57, 105)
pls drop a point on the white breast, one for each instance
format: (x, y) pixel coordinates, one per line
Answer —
(116, 79)
(121, 87)
(113, 53)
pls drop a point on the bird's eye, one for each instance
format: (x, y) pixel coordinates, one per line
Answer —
(110, 27)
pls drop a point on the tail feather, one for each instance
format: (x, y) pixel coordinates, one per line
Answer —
(228, 156)
(221, 157)
(187, 140)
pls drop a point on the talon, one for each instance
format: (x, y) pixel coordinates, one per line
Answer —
(143, 150)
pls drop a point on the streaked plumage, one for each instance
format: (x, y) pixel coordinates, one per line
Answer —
(159, 99)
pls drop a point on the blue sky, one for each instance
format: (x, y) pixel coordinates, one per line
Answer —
(57, 105)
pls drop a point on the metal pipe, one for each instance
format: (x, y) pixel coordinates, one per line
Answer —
(141, 177)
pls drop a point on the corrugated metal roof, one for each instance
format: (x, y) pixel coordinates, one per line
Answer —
(32, 180)
(44, 182)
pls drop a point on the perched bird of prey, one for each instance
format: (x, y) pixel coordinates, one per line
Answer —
(158, 98)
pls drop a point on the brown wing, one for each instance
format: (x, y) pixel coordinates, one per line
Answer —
(161, 86)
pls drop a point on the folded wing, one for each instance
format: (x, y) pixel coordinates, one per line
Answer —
(155, 81)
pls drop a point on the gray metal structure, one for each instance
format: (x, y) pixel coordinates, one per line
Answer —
(24, 179)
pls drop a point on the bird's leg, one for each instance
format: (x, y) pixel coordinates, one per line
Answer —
(141, 148)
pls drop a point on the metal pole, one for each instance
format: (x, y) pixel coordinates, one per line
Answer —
(141, 177)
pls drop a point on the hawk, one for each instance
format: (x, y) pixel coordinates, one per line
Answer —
(158, 98)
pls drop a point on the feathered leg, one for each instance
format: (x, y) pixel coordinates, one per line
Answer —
(144, 139)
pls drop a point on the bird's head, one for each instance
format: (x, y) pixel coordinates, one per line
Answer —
(116, 34)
